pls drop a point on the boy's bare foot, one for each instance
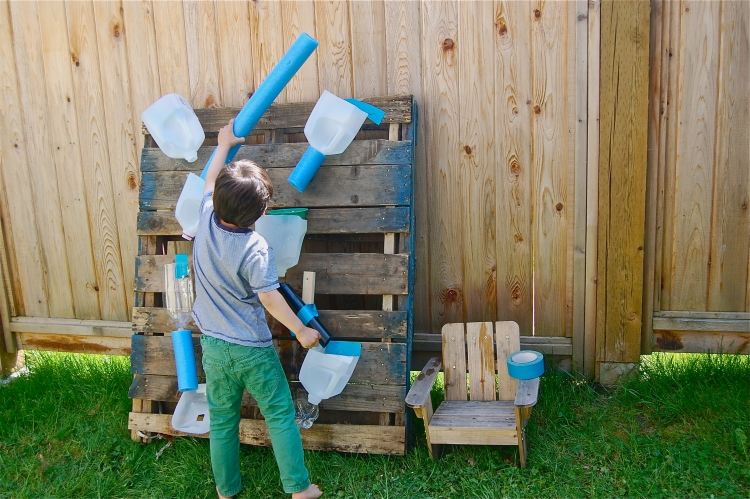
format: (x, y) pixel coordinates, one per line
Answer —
(311, 492)
(221, 496)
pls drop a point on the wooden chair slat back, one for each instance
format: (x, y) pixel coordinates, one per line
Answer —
(474, 349)
(481, 360)
(454, 361)
(508, 338)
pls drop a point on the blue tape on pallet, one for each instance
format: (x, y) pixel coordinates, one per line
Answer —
(526, 364)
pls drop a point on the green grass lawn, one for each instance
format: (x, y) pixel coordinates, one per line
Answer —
(679, 429)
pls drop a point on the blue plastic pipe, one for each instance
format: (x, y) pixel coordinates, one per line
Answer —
(184, 360)
(268, 90)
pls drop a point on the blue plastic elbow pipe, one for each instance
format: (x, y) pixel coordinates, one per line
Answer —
(184, 360)
(306, 168)
(268, 90)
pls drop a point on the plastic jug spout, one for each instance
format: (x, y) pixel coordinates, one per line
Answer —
(191, 158)
(306, 168)
(313, 399)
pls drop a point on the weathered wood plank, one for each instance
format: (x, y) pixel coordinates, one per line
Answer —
(319, 221)
(476, 135)
(70, 327)
(528, 390)
(481, 360)
(368, 439)
(696, 324)
(349, 324)
(367, 25)
(691, 233)
(513, 156)
(337, 273)
(118, 113)
(508, 341)
(358, 398)
(200, 40)
(45, 198)
(701, 342)
(440, 118)
(730, 219)
(169, 29)
(66, 162)
(380, 363)
(25, 249)
(335, 52)
(267, 40)
(622, 178)
(454, 361)
(94, 150)
(552, 345)
(105, 345)
(419, 393)
(235, 70)
(360, 152)
(297, 17)
(294, 115)
(333, 186)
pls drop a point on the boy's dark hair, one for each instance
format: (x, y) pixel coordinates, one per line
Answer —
(241, 193)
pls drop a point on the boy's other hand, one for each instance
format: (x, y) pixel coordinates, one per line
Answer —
(226, 136)
(308, 337)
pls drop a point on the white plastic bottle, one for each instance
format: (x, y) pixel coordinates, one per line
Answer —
(330, 129)
(175, 127)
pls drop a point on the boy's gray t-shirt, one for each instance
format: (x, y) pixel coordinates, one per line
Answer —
(231, 267)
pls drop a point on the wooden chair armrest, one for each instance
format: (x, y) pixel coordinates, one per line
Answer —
(419, 393)
(527, 392)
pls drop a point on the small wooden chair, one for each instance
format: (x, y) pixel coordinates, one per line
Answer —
(493, 414)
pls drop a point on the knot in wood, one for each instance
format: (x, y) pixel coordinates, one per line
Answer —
(467, 149)
(537, 13)
(559, 206)
(448, 44)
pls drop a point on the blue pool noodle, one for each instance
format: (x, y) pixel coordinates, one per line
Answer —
(184, 360)
(268, 90)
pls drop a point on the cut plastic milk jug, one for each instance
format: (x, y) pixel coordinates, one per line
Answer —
(284, 234)
(175, 127)
(330, 129)
(187, 210)
(191, 414)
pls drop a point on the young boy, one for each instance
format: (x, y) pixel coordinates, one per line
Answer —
(235, 278)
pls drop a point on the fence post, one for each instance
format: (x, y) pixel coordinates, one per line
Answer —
(623, 111)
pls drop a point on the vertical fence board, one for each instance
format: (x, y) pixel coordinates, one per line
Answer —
(440, 116)
(368, 48)
(169, 30)
(267, 39)
(45, 194)
(552, 140)
(234, 46)
(299, 17)
(513, 159)
(335, 50)
(203, 69)
(622, 180)
(25, 255)
(81, 54)
(118, 110)
(476, 157)
(730, 221)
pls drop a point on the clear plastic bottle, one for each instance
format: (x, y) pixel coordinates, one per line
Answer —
(307, 413)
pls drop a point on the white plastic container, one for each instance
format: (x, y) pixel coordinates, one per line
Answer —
(187, 210)
(330, 129)
(191, 414)
(325, 375)
(284, 234)
(175, 127)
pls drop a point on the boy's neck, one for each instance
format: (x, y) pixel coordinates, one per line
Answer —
(228, 225)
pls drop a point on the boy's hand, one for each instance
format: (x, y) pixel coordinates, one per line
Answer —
(308, 337)
(226, 136)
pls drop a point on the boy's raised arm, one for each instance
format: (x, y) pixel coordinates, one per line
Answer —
(226, 141)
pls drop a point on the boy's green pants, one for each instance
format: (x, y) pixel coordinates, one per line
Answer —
(230, 369)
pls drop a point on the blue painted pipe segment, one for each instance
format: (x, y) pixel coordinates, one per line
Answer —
(180, 266)
(374, 114)
(295, 303)
(348, 348)
(184, 360)
(307, 313)
(525, 364)
(269, 89)
(306, 169)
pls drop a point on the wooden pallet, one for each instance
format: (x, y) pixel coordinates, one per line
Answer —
(359, 242)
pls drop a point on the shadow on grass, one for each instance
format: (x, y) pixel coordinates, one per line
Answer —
(678, 428)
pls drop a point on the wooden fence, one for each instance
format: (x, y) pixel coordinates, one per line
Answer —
(508, 174)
